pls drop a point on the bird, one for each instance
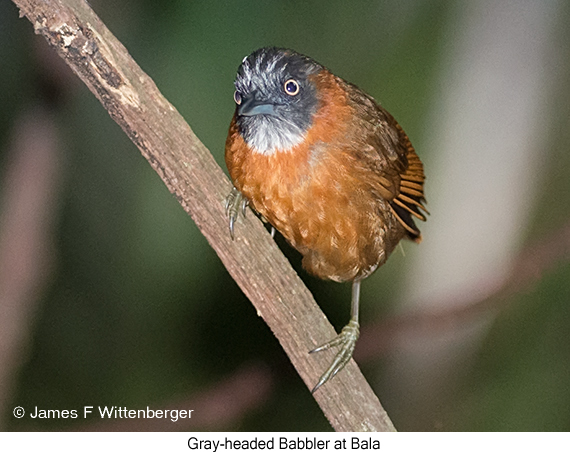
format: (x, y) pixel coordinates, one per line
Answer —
(327, 167)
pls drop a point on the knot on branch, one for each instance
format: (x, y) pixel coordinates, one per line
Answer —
(79, 43)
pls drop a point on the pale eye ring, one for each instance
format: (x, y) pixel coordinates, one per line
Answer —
(291, 87)
(237, 97)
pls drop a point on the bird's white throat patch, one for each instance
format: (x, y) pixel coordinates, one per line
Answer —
(268, 135)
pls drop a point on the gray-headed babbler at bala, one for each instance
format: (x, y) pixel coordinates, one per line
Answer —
(327, 167)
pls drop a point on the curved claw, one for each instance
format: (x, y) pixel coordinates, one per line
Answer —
(347, 341)
(235, 203)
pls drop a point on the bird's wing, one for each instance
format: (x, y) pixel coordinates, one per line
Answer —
(384, 146)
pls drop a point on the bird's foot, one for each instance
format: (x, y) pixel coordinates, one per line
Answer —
(235, 203)
(347, 341)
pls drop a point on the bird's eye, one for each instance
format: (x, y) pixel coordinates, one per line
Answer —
(237, 97)
(291, 87)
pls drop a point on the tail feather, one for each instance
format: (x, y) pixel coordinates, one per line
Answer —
(409, 202)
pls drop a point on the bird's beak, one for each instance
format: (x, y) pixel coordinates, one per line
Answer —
(252, 106)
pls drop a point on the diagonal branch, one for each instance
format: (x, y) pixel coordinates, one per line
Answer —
(191, 174)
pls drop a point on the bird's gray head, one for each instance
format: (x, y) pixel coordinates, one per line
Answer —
(275, 98)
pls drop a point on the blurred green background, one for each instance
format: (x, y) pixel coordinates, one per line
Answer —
(135, 309)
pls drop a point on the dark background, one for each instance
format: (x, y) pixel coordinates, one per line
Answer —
(112, 297)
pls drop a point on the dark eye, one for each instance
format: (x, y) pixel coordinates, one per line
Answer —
(237, 97)
(291, 87)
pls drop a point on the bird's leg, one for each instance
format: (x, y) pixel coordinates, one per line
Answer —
(346, 340)
(235, 203)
